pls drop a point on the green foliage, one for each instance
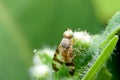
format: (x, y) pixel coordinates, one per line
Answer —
(103, 57)
(104, 74)
(27, 24)
(90, 54)
(108, 42)
(111, 30)
(45, 60)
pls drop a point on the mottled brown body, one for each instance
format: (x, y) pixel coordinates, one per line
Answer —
(64, 54)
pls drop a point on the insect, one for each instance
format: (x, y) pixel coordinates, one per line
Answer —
(64, 53)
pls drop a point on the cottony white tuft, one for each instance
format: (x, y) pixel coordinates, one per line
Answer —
(83, 36)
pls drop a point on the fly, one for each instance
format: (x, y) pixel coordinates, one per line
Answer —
(64, 53)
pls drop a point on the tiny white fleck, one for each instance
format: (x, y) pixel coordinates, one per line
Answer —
(35, 50)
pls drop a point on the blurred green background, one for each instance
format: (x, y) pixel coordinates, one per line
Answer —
(26, 25)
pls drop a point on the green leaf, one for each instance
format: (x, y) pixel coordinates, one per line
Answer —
(104, 74)
(103, 57)
(112, 29)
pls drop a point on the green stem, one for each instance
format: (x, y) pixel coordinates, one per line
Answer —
(104, 56)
